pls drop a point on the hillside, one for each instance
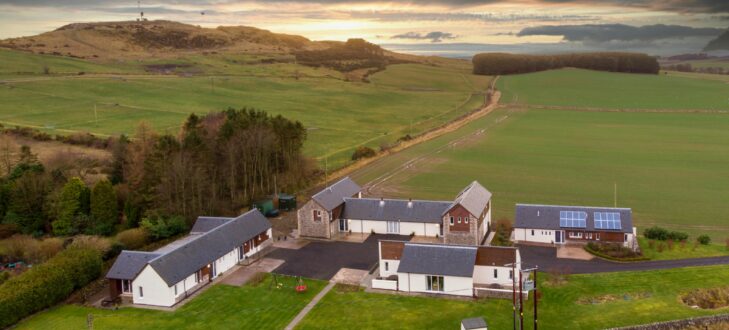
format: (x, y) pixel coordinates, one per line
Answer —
(125, 40)
(720, 43)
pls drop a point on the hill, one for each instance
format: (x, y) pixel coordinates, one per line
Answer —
(720, 43)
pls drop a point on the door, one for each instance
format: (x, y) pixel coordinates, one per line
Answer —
(393, 227)
(213, 271)
(558, 236)
(343, 225)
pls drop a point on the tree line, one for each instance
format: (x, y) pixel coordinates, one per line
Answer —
(351, 55)
(504, 64)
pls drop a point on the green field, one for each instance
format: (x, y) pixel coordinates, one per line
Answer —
(340, 115)
(581, 302)
(672, 169)
(220, 307)
(593, 89)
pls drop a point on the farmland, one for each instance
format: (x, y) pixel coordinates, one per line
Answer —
(340, 115)
(592, 89)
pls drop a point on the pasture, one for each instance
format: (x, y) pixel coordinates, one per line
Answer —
(340, 115)
(672, 169)
(592, 89)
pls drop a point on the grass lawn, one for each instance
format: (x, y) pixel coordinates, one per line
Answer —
(590, 301)
(672, 169)
(340, 115)
(690, 250)
(584, 88)
(220, 307)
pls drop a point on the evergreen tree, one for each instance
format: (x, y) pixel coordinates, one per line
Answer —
(68, 207)
(104, 211)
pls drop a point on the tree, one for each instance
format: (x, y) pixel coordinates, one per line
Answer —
(118, 154)
(27, 201)
(104, 210)
(68, 207)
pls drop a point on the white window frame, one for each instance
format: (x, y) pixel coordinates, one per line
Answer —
(440, 281)
(128, 285)
(141, 292)
(465, 220)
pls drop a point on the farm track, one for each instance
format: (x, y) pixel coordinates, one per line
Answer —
(627, 110)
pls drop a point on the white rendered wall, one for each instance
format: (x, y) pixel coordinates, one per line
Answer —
(540, 235)
(452, 285)
(226, 262)
(485, 275)
(392, 266)
(156, 291)
(406, 228)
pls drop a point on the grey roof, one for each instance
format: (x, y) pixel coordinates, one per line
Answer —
(205, 224)
(394, 210)
(182, 258)
(473, 198)
(334, 195)
(547, 216)
(438, 259)
(474, 323)
(129, 263)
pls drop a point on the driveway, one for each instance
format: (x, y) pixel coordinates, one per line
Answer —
(546, 259)
(323, 259)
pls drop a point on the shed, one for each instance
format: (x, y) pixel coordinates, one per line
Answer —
(265, 206)
(474, 323)
(286, 202)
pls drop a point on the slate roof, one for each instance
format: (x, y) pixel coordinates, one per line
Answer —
(438, 259)
(474, 198)
(182, 258)
(474, 323)
(334, 195)
(394, 210)
(533, 216)
(206, 224)
(129, 263)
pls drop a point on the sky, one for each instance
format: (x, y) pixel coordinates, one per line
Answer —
(660, 27)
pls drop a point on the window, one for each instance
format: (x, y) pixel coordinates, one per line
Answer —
(197, 276)
(126, 286)
(387, 266)
(511, 274)
(465, 219)
(626, 237)
(574, 234)
(532, 232)
(597, 236)
(496, 273)
(141, 292)
(393, 227)
(459, 219)
(434, 283)
(175, 289)
(451, 221)
(317, 215)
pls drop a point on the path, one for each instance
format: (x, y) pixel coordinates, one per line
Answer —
(546, 259)
(311, 305)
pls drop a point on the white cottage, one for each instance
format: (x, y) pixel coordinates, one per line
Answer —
(171, 273)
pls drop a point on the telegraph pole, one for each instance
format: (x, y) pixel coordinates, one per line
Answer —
(535, 299)
(521, 305)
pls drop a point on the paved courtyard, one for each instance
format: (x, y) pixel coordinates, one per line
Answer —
(323, 259)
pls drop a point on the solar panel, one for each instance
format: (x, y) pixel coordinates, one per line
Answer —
(572, 219)
(607, 220)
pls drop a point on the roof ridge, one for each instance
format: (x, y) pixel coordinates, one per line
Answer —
(450, 246)
(397, 199)
(576, 206)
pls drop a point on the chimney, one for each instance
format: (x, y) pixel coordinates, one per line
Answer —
(410, 203)
(382, 202)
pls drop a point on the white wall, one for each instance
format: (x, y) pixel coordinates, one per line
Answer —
(406, 228)
(359, 226)
(540, 235)
(156, 291)
(452, 285)
(485, 275)
(384, 284)
(226, 262)
(392, 266)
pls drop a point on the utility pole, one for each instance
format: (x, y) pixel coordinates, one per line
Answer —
(521, 305)
(513, 288)
(536, 296)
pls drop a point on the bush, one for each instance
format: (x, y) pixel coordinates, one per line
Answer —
(709, 298)
(613, 251)
(47, 284)
(704, 239)
(677, 236)
(662, 234)
(363, 152)
(160, 227)
(134, 238)
(7, 230)
(96, 243)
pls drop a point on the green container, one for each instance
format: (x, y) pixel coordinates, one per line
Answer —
(286, 202)
(264, 205)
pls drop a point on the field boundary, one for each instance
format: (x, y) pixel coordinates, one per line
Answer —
(593, 109)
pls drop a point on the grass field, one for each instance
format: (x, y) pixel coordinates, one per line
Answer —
(340, 115)
(689, 250)
(583, 302)
(593, 89)
(672, 169)
(220, 307)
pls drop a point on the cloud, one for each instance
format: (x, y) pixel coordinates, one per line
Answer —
(435, 36)
(602, 33)
(395, 16)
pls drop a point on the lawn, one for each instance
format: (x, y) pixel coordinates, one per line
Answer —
(672, 169)
(582, 302)
(680, 251)
(340, 115)
(593, 89)
(220, 307)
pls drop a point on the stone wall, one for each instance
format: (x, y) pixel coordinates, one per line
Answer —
(310, 228)
(702, 321)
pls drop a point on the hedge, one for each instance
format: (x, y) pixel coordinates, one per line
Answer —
(47, 284)
(504, 64)
(611, 258)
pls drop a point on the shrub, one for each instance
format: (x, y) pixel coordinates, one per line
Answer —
(669, 243)
(704, 239)
(134, 238)
(677, 236)
(7, 230)
(613, 252)
(160, 227)
(20, 248)
(363, 152)
(47, 284)
(96, 243)
(651, 244)
(658, 233)
(709, 298)
(49, 247)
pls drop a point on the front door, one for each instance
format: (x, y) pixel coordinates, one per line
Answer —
(343, 225)
(558, 236)
(213, 271)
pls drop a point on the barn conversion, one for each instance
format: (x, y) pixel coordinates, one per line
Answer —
(461, 270)
(340, 208)
(166, 276)
(555, 224)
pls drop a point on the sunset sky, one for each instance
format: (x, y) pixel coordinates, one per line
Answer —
(671, 25)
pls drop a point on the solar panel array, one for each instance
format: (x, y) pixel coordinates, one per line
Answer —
(572, 219)
(607, 220)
